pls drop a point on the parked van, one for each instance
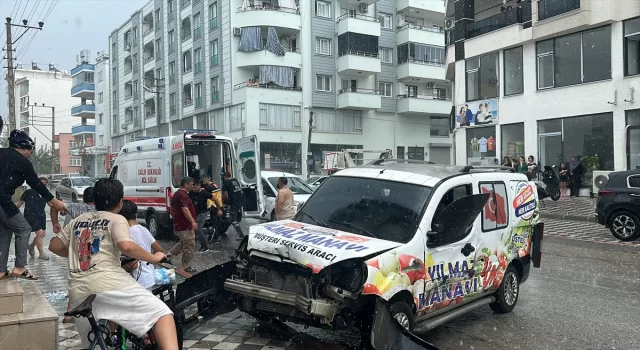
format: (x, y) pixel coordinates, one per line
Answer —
(151, 170)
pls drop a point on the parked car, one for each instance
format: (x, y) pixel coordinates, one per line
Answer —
(71, 188)
(315, 181)
(54, 180)
(618, 205)
(301, 191)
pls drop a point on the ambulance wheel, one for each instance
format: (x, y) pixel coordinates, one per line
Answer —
(507, 294)
(403, 313)
(153, 225)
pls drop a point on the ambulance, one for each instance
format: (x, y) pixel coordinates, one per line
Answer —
(151, 170)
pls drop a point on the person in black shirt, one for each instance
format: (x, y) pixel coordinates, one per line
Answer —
(34, 213)
(199, 198)
(235, 200)
(15, 169)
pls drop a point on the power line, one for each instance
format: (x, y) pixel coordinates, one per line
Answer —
(31, 13)
(24, 51)
(12, 11)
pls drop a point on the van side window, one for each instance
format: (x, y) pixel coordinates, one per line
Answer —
(177, 169)
(451, 196)
(114, 173)
(494, 213)
(266, 189)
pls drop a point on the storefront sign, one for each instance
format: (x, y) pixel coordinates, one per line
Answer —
(477, 113)
(97, 150)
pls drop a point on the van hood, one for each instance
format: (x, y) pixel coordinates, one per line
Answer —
(312, 246)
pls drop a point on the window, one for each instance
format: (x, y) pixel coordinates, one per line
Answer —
(100, 118)
(217, 119)
(170, 6)
(101, 139)
(448, 198)
(633, 181)
(512, 140)
(235, 117)
(197, 58)
(199, 95)
(439, 126)
(213, 48)
(135, 33)
(186, 62)
(337, 121)
(386, 55)
(172, 41)
(100, 97)
(323, 9)
(159, 73)
(420, 53)
(100, 76)
(158, 46)
(213, 16)
(575, 58)
(157, 20)
(172, 72)
(215, 94)
(279, 117)
(513, 82)
(632, 46)
(72, 144)
(385, 89)
(400, 152)
(386, 20)
(323, 46)
(323, 83)
(75, 161)
(172, 104)
(177, 169)
(358, 44)
(494, 213)
(415, 153)
(482, 77)
(197, 30)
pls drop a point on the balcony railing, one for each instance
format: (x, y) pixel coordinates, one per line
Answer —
(187, 102)
(198, 67)
(148, 59)
(215, 97)
(197, 33)
(150, 114)
(82, 108)
(268, 7)
(187, 70)
(548, 9)
(214, 60)
(158, 56)
(520, 14)
(441, 97)
(172, 110)
(358, 53)
(128, 96)
(128, 70)
(252, 83)
(213, 23)
(419, 27)
(428, 63)
(198, 102)
(186, 36)
(172, 47)
(359, 91)
(147, 31)
(83, 129)
(358, 16)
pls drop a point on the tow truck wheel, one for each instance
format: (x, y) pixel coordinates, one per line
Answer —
(507, 294)
(403, 314)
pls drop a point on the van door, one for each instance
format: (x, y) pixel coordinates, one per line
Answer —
(178, 163)
(249, 176)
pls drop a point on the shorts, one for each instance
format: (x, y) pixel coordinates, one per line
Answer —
(134, 308)
(37, 223)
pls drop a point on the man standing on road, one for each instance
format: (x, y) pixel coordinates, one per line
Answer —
(199, 198)
(284, 201)
(184, 224)
(15, 169)
(235, 200)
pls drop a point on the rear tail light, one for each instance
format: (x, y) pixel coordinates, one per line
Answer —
(168, 196)
(604, 192)
(536, 244)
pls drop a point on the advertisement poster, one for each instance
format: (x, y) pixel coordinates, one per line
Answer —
(477, 113)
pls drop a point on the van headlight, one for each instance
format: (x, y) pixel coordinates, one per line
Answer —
(349, 275)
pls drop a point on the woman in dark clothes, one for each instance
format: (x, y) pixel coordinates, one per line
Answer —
(575, 176)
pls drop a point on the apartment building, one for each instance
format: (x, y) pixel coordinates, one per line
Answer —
(102, 148)
(363, 74)
(84, 134)
(548, 78)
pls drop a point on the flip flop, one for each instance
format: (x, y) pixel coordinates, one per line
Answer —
(25, 275)
(7, 275)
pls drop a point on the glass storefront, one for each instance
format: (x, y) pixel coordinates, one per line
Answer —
(280, 156)
(512, 140)
(481, 145)
(633, 139)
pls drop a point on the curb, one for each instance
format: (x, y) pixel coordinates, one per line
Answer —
(580, 218)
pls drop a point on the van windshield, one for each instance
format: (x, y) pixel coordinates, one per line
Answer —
(295, 184)
(383, 209)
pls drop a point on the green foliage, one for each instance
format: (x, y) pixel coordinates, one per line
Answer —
(41, 160)
(590, 163)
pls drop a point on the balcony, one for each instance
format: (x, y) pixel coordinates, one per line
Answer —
(186, 36)
(85, 90)
(84, 111)
(253, 91)
(354, 3)
(419, 34)
(267, 58)
(423, 104)
(267, 16)
(215, 97)
(416, 69)
(357, 63)
(548, 9)
(83, 129)
(148, 59)
(516, 15)
(357, 23)
(361, 99)
(83, 67)
(421, 8)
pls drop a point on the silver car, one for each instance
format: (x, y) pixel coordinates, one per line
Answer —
(71, 188)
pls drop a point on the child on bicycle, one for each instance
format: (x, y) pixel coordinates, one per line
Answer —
(93, 243)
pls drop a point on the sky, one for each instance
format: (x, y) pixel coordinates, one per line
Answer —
(71, 26)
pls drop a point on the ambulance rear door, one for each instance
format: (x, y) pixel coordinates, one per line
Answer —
(249, 176)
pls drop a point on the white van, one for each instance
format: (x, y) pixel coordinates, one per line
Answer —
(151, 171)
(301, 191)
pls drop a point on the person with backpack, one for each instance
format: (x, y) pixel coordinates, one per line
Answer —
(234, 198)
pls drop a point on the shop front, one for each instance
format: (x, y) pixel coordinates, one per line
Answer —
(281, 156)
(511, 141)
(481, 145)
(633, 139)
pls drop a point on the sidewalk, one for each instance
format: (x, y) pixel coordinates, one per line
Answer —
(571, 209)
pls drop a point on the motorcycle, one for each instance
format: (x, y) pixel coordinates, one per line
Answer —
(549, 187)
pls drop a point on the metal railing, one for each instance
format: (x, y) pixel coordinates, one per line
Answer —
(359, 91)
(547, 9)
(358, 16)
(198, 67)
(198, 102)
(214, 60)
(187, 102)
(515, 15)
(128, 96)
(158, 56)
(359, 53)
(148, 59)
(197, 33)
(215, 96)
(213, 23)
(128, 70)
(147, 31)
(172, 47)
(428, 63)
(269, 7)
(150, 114)
(187, 70)
(187, 36)
(419, 27)
(440, 97)
(265, 86)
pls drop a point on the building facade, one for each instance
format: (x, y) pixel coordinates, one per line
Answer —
(84, 90)
(68, 162)
(349, 74)
(548, 78)
(36, 87)
(102, 101)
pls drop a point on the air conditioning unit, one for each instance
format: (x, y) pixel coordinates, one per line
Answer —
(431, 85)
(448, 24)
(236, 31)
(600, 178)
(363, 7)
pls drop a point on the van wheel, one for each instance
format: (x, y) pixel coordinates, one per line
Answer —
(153, 225)
(624, 226)
(403, 314)
(507, 295)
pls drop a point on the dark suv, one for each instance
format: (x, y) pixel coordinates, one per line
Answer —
(618, 205)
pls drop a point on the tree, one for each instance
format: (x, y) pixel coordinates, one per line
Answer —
(41, 160)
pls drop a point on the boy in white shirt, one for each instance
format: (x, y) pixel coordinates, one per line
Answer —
(144, 272)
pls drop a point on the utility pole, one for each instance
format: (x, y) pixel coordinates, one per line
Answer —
(309, 157)
(11, 81)
(158, 114)
(53, 133)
